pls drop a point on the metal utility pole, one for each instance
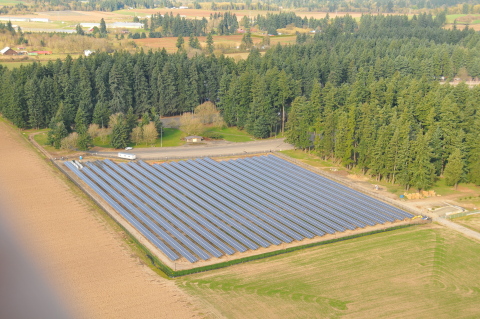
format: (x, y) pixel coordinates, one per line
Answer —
(161, 136)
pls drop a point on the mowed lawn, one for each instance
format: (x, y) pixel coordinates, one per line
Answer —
(232, 134)
(418, 272)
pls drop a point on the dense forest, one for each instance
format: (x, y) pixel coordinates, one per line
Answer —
(383, 6)
(365, 93)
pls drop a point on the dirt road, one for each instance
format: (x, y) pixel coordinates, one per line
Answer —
(83, 257)
(208, 149)
(464, 230)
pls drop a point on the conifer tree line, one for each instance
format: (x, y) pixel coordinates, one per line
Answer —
(380, 6)
(174, 26)
(362, 97)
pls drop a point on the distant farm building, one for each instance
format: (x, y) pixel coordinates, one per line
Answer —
(193, 139)
(115, 25)
(18, 19)
(88, 52)
(127, 25)
(41, 52)
(8, 51)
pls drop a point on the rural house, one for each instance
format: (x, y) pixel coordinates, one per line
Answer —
(8, 51)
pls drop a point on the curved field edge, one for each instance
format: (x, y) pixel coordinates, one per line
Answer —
(419, 271)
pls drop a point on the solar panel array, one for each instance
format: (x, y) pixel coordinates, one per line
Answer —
(199, 209)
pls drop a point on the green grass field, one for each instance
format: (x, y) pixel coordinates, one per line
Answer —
(470, 221)
(10, 2)
(421, 272)
(232, 134)
(451, 17)
(309, 159)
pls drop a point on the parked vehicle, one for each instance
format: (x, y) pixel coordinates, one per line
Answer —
(127, 156)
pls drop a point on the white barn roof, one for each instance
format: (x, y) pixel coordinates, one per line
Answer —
(4, 50)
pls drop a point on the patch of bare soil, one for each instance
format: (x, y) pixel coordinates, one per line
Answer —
(85, 259)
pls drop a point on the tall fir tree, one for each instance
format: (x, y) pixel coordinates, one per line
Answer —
(454, 169)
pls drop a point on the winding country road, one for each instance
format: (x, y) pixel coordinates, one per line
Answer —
(221, 148)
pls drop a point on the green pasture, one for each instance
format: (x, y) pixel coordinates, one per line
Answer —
(9, 2)
(451, 17)
(232, 134)
(309, 158)
(421, 271)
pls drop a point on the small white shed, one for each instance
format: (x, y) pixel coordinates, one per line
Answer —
(193, 139)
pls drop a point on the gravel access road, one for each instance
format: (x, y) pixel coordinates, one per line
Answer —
(217, 148)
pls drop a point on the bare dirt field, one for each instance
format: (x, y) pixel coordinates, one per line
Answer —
(86, 260)
(79, 16)
(417, 272)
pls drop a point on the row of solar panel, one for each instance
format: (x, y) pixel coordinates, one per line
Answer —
(204, 208)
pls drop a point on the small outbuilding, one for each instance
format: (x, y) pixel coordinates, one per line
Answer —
(42, 52)
(193, 139)
(8, 51)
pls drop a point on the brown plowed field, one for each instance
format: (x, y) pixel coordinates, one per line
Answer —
(86, 260)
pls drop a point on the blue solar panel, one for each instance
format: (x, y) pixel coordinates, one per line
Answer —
(203, 208)
(111, 200)
(325, 195)
(221, 210)
(270, 216)
(252, 220)
(142, 212)
(173, 215)
(233, 175)
(351, 193)
(154, 191)
(305, 192)
(246, 190)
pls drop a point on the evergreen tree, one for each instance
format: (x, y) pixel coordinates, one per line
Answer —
(101, 114)
(210, 46)
(454, 169)
(180, 42)
(297, 134)
(131, 120)
(260, 128)
(423, 172)
(103, 27)
(35, 107)
(247, 41)
(120, 135)
(57, 132)
(84, 141)
(79, 30)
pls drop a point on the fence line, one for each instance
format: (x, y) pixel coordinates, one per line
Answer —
(349, 184)
(462, 214)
